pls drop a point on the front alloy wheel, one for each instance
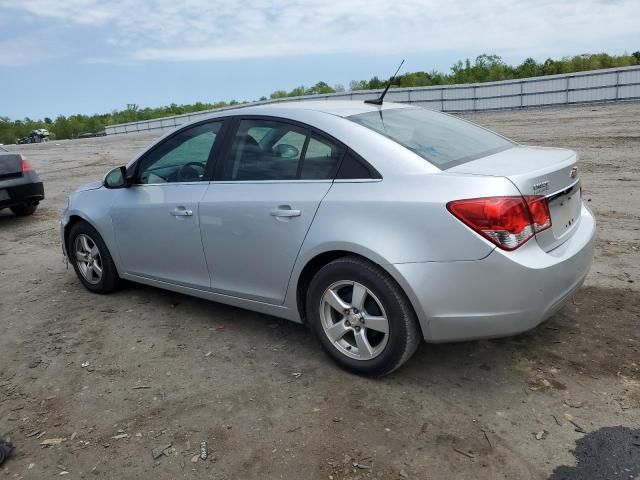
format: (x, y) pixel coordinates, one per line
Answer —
(88, 258)
(91, 259)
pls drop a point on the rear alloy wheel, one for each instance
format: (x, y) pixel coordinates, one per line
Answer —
(24, 210)
(91, 259)
(361, 317)
(354, 320)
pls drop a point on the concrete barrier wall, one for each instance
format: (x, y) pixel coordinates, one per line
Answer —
(595, 86)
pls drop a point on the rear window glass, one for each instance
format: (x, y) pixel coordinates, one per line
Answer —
(443, 140)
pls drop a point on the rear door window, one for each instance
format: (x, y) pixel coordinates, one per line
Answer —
(268, 149)
(265, 150)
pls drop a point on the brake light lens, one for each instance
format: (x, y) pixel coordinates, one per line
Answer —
(539, 208)
(508, 222)
(26, 166)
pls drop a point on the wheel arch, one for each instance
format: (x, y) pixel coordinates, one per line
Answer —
(73, 219)
(320, 259)
(76, 217)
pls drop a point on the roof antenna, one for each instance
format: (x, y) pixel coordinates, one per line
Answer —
(380, 99)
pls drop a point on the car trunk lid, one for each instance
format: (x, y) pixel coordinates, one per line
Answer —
(10, 165)
(548, 172)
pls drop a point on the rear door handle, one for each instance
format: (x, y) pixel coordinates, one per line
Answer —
(284, 211)
(181, 212)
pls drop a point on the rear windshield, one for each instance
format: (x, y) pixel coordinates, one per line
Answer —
(443, 140)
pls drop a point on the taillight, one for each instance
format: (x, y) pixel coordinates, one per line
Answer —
(507, 222)
(539, 208)
(26, 166)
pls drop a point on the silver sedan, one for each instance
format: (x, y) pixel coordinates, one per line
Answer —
(376, 225)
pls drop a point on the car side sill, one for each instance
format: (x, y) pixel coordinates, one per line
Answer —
(260, 307)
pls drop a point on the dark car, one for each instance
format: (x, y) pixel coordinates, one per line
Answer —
(39, 135)
(20, 187)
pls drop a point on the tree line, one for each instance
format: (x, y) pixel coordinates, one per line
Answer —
(485, 68)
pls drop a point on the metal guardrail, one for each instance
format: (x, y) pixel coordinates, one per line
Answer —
(595, 86)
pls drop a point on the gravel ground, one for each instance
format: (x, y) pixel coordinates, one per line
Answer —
(166, 370)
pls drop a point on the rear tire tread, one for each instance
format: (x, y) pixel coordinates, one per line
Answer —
(24, 209)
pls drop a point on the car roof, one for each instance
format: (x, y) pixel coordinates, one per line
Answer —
(339, 108)
(328, 116)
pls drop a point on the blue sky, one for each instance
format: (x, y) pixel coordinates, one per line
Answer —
(91, 56)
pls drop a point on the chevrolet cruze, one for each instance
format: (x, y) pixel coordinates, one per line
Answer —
(377, 225)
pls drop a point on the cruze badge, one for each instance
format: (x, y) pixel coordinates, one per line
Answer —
(574, 172)
(541, 187)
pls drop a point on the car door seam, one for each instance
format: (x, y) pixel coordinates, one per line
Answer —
(302, 243)
(204, 252)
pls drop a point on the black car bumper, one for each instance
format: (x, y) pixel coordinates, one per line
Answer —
(20, 194)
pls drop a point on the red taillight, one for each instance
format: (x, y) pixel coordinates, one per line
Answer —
(507, 222)
(26, 166)
(539, 208)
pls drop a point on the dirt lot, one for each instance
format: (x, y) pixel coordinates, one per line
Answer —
(165, 369)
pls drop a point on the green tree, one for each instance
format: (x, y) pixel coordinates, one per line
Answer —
(278, 94)
(319, 88)
(528, 68)
(357, 84)
(484, 68)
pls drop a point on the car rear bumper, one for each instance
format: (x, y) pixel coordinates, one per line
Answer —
(503, 294)
(20, 194)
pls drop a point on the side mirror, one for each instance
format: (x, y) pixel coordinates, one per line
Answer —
(116, 178)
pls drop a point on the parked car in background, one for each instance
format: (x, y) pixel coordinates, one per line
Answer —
(36, 136)
(377, 225)
(100, 133)
(21, 189)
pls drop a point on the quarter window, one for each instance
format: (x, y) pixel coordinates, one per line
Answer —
(354, 168)
(320, 160)
(182, 157)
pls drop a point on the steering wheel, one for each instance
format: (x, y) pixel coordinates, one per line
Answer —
(190, 172)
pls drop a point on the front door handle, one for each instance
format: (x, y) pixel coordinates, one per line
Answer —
(181, 212)
(284, 211)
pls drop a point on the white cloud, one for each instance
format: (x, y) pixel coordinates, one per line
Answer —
(150, 30)
(22, 50)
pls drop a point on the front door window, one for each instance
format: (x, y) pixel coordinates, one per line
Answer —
(181, 158)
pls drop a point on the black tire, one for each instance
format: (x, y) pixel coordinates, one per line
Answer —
(110, 281)
(24, 210)
(404, 335)
(5, 451)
